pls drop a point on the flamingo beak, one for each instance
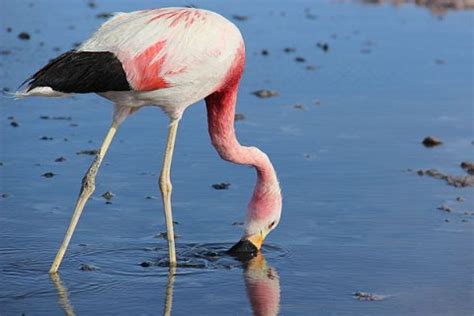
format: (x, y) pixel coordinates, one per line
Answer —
(257, 240)
(248, 245)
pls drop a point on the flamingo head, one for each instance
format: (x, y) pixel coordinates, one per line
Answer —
(263, 216)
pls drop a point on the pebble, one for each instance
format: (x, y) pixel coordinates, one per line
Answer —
(108, 195)
(104, 15)
(324, 46)
(446, 208)
(221, 186)
(240, 17)
(87, 152)
(299, 106)
(239, 117)
(468, 166)
(363, 296)
(87, 267)
(265, 93)
(24, 36)
(300, 59)
(431, 141)
(455, 181)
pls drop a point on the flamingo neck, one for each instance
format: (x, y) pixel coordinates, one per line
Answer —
(220, 115)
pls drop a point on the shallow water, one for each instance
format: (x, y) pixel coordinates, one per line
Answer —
(354, 218)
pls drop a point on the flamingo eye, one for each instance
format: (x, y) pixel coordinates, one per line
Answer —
(271, 225)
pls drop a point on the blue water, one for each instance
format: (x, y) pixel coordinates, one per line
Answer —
(354, 219)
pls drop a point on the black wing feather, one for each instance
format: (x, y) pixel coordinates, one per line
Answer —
(82, 72)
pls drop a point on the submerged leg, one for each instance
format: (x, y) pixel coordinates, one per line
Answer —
(88, 187)
(166, 188)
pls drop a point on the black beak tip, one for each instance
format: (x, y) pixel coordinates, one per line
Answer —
(244, 249)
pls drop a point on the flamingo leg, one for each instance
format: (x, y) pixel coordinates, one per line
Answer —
(87, 188)
(166, 188)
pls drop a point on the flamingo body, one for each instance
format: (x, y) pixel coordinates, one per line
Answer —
(171, 57)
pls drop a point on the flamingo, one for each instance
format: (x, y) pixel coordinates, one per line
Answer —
(170, 58)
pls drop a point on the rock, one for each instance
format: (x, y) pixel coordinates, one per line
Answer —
(108, 195)
(431, 141)
(87, 152)
(104, 15)
(24, 36)
(363, 296)
(265, 93)
(444, 207)
(48, 175)
(240, 17)
(87, 267)
(455, 181)
(146, 264)
(58, 118)
(468, 166)
(324, 46)
(221, 186)
(300, 59)
(239, 117)
(299, 106)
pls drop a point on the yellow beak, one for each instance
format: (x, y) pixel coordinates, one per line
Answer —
(257, 240)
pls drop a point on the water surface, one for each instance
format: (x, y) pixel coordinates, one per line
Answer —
(354, 218)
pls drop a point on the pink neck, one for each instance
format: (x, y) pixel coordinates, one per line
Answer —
(220, 116)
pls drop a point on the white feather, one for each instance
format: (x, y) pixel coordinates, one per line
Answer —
(206, 50)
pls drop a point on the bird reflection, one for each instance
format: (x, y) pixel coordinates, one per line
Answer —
(263, 286)
(62, 294)
(261, 282)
